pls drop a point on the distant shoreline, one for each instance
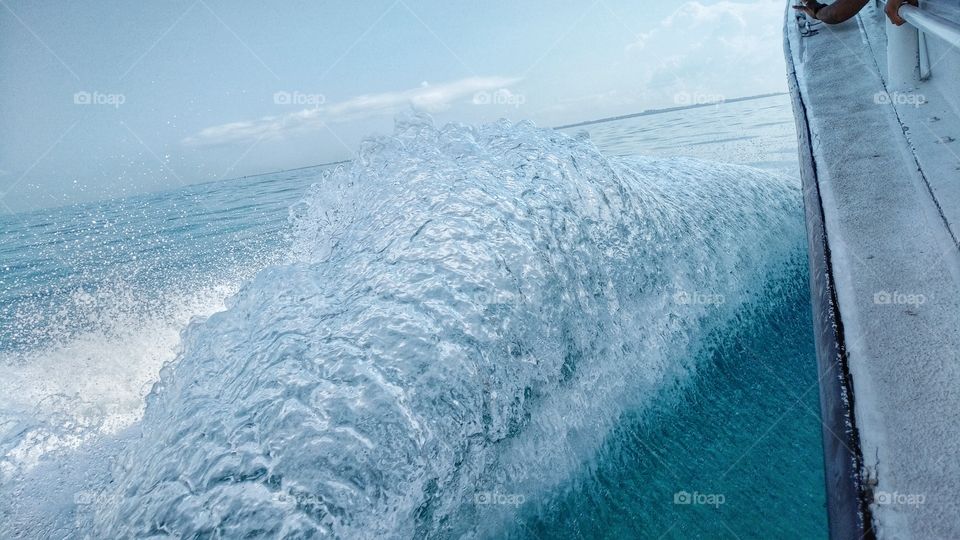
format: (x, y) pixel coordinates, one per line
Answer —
(650, 112)
(341, 162)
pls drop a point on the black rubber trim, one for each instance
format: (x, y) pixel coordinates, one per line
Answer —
(848, 509)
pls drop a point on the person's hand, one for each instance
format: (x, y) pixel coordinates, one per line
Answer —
(810, 7)
(893, 10)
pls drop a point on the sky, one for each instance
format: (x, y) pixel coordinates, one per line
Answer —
(108, 98)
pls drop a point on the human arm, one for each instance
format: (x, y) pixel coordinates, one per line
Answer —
(834, 13)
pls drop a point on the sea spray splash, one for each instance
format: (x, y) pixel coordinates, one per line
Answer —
(472, 310)
(94, 297)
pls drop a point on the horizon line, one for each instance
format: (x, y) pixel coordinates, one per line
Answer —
(651, 112)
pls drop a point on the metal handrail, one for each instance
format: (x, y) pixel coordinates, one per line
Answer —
(936, 25)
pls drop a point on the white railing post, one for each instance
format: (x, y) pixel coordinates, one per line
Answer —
(903, 56)
(924, 58)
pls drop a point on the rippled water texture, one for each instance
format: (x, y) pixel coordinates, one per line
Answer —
(467, 311)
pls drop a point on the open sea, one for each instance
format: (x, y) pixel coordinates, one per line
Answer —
(495, 331)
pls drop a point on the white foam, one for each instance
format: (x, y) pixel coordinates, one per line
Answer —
(94, 382)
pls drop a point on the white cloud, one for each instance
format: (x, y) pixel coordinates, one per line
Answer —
(426, 97)
(723, 49)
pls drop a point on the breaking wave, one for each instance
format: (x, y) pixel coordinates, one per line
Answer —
(470, 312)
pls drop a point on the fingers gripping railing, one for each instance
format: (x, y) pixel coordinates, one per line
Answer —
(907, 55)
(932, 24)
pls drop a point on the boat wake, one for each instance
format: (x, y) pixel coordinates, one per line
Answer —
(469, 312)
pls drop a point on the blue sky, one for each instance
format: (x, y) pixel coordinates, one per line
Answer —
(108, 98)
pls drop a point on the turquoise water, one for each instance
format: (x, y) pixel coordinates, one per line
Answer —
(744, 429)
(491, 332)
